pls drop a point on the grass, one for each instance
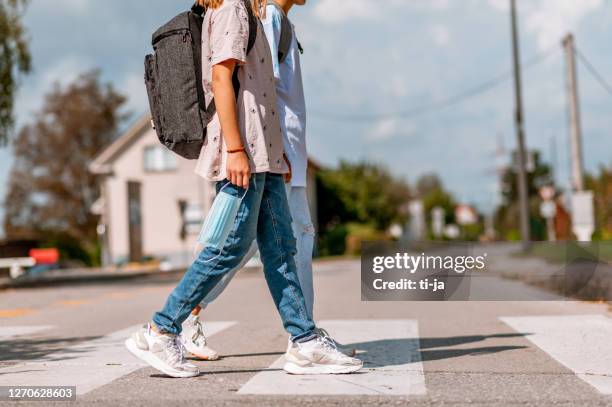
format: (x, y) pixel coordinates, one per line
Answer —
(565, 252)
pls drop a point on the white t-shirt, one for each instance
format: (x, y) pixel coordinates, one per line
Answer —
(291, 102)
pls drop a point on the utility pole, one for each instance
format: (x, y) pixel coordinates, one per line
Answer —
(574, 111)
(553, 160)
(583, 217)
(520, 134)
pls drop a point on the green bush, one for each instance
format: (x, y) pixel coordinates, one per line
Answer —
(70, 249)
(333, 243)
(358, 232)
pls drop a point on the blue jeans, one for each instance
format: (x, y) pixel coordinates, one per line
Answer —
(304, 233)
(263, 215)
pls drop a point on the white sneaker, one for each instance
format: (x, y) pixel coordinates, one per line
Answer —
(163, 352)
(318, 356)
(347, 350)
(194, 341)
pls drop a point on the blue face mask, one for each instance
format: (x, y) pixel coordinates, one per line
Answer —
(219, 221)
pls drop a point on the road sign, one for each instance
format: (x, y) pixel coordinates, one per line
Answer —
(466, 215)
(437, 221)
(547, 193)
(548, 209)
(583, 216)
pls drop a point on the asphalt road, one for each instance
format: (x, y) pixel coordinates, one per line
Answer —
(415, 353)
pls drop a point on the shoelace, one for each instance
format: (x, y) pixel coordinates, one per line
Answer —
(181, 344)
(198, 337)
(328, 345)
(324, 335)
(174, 350)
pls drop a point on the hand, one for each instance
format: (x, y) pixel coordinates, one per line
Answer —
(288, 175)
(238, 170)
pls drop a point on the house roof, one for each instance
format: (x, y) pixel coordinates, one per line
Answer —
(102, 164)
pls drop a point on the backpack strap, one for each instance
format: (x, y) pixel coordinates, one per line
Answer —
(253, 26)
(286, 35)
(198, 9)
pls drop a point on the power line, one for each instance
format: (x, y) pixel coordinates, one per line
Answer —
(593, 71)
(437, 105)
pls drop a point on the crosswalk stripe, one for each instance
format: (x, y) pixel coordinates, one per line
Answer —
(582, 343)
(7, 332)
(87, 366)
(389, 348)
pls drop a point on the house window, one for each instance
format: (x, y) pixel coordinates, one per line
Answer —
(159, 159)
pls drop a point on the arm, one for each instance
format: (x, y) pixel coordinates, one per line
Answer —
(238, 170)
(272, 29)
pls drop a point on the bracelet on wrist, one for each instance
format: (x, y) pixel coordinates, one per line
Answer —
(237, 150)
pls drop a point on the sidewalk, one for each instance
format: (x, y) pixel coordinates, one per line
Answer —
(97, 274)
(82, 275)
(581, 278)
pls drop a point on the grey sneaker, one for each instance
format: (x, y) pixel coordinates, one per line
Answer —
(194, 341)
(163, 352)
(319, 356)
(347, 350)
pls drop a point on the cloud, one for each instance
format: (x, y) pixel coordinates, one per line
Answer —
(66, 7)
(340, 11)
(132, 86)
(387, 129)
(440, 35)
(31, 94)
(337, 11)
(550, 20)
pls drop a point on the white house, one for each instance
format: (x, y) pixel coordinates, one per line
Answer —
(152, 203)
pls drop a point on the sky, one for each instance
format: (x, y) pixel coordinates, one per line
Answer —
(365, 63)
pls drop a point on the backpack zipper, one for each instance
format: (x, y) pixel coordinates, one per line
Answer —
(186, 33)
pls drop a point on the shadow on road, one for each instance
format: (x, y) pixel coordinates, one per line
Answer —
(213, 372)
(394, 352)
(430, 355)
(245, 355)
(23, 349)
(427, 343)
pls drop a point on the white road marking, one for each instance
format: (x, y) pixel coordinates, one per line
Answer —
(389, 348)
(7, 332)
(87, 366)
(582, 343)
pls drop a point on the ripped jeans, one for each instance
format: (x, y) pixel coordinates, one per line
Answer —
(304, 232)
(263, 216)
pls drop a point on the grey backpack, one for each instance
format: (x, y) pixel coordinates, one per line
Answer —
(173, 77)
(286, 36)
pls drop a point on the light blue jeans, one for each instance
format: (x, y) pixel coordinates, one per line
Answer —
(263, 216)
(303, 231)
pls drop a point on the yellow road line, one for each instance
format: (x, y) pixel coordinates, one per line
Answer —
(120, 295)
(73, 303)
(13, 313)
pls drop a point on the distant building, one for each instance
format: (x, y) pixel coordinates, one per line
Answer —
(152, 203)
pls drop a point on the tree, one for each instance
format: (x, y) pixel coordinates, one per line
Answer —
(427, 184)
(539, 176)
(601, 185)
(430, 190)
(507, 214)
(50, 189)
(357, 202)
(14, 60)
(361, 192)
